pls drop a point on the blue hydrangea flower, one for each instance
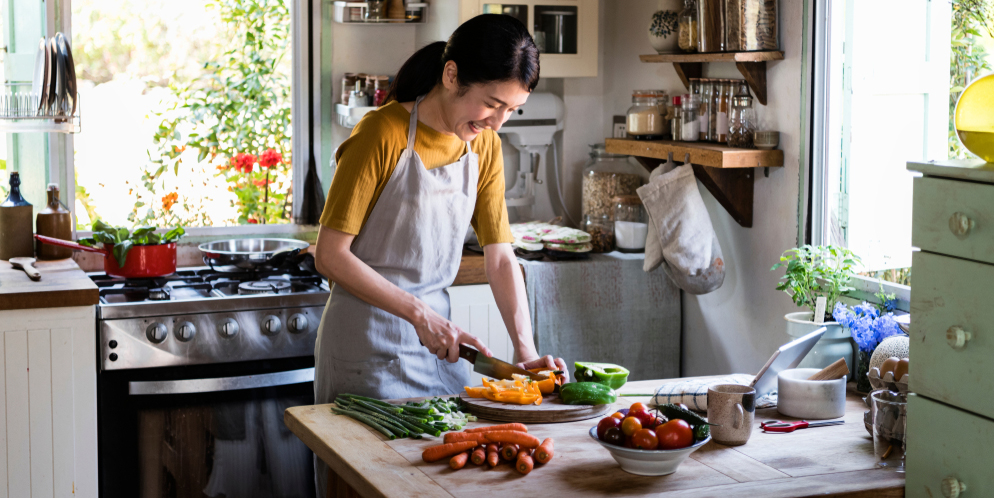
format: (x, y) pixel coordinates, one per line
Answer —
(867, 327)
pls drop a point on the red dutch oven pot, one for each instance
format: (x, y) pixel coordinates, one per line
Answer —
(142, 261)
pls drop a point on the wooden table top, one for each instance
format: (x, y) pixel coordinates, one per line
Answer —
(825, 461)
(63, 284)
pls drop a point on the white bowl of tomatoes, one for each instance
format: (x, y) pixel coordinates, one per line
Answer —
(654, 442)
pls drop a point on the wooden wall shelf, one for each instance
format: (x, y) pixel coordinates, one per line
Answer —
(752, 65)
(726, 172)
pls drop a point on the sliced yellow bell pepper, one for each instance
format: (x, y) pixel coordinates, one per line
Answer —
(519, 391)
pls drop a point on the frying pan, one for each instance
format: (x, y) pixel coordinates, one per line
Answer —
(142, 261)
(249, 254)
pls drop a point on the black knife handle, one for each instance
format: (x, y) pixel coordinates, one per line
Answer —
(468, 353)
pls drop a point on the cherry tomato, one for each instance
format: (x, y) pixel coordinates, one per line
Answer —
(614, 435)
(630, 425)
(638, 406)
(645, 439)
(618, 415)
(646, 418)
(628, 443)
(658, 421)
(674, 434)
(605, 424)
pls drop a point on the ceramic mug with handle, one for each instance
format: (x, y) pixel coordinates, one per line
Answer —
(731, 408)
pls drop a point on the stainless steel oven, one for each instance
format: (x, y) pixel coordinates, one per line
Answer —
(194, 379)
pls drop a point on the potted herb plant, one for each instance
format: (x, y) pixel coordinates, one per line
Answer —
(812, 272)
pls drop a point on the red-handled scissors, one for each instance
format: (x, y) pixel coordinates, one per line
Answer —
(779, 426)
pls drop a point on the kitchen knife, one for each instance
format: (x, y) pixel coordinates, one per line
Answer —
(493, 367)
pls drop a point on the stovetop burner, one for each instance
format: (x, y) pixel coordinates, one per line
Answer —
(268, 286)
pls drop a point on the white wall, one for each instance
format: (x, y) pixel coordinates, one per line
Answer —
(736, 328)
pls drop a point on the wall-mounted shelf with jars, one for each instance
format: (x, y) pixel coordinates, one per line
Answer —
(752, 65)
(726, 172)
(360, 13)
(348, 117)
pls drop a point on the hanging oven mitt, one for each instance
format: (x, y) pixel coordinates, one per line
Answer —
(653, 254)
(691, 252)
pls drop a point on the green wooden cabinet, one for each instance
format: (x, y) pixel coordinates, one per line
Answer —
(949, 430)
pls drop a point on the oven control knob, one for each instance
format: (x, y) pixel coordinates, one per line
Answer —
(271, 325)
(156, 333)
(184, 331)
(228, 328)
(297, 323)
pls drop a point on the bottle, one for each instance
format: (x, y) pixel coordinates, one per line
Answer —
(15, 223)
(742, 122)
(676, 118)
(689, 118)
(55, 221)
(643, 118)
(688, 31)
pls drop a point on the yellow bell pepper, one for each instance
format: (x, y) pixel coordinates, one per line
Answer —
(519, 391)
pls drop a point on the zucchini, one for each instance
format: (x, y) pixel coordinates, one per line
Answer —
(672, 411)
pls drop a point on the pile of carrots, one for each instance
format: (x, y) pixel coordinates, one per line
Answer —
(511, 442)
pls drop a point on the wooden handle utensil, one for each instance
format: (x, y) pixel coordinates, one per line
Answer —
(834, 371)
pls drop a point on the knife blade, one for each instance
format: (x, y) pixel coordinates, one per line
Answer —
(493, 367)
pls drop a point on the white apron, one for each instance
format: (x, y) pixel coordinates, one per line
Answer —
(413, 238)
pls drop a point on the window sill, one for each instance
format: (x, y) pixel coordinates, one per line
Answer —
(866, 288)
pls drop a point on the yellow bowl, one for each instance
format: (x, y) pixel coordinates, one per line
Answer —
(974, 117)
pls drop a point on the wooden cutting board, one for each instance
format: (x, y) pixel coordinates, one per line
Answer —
(552, 410)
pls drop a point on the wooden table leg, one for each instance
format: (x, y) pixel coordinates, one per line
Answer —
(337, 487)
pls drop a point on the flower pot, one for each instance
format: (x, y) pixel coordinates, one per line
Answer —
(834, 345)
(664, 24)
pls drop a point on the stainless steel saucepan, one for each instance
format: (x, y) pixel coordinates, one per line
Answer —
(249, 254)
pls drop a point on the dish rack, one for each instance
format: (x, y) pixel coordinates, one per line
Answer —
(347, 117)
(343, 12)
(21, 112)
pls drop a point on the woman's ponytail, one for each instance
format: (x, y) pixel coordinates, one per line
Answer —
(419, 74)
(487, 48)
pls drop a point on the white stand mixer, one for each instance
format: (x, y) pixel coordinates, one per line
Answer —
(531, 131)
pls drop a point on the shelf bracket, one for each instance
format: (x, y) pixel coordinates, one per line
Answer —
(688, 70)
(733, 188)
(756, 75)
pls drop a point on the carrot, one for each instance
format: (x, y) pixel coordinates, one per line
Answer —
(459, 460)
(502, 427)
(492, 450)
(478, 456)
(458, 437)
(545, 451)
(524, 462)
(520, 438)
(509, 450)
(441, 451)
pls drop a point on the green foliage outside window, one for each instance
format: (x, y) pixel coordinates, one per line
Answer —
(971, 20)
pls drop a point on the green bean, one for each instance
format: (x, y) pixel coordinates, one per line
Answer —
(371, 400)
(365, 420)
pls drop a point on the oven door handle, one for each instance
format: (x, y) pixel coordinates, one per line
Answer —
(218, 384)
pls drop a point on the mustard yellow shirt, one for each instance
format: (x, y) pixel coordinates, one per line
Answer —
(366, 160)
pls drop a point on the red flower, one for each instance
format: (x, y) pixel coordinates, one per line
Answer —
(243, 162)
(261, 183)
(253, 221)
(270, 158)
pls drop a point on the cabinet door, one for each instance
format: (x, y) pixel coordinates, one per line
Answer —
(937, 203)
(944, 442)
(951, 294)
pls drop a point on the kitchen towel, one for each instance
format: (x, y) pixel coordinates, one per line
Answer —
(606, 309)
(689, 246)
(693, 392)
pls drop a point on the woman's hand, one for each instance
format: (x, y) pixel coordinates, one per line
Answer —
(442, 337)
(547, 362)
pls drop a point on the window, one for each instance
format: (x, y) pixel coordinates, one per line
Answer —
(886, 77)
(186, 108)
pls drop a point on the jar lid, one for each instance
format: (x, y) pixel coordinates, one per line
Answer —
(598, 150)
(627, 200)
(743, 101)
(647, 93)
(676, 100)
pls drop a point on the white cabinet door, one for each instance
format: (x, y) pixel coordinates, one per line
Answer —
(473, 308)
(48, 413)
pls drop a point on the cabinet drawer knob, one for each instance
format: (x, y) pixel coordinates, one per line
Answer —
(952, 487)
(960, 224)
(957, 337)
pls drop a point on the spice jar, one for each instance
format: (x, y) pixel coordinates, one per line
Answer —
(601, 230)
(742, 122)
(348, 81)
(643, 119)
(629, 223)
(689, 117)
(711, 104)
(688, 31)
(605, 176)
(723, 111)
(380, 90)
(676, 118)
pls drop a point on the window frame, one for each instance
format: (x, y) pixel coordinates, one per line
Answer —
(814, 189)
(62, 168)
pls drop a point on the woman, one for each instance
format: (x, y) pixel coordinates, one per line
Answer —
(409, 180)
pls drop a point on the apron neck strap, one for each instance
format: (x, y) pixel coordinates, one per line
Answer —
(413, 122)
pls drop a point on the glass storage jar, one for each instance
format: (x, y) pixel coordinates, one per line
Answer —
(601, 230)
(742, 122)
(643, 119)
(629, 223)
(605, 176)
(689, 117)
(688, 27)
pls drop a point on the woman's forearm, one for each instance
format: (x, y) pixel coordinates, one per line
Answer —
(509, 290)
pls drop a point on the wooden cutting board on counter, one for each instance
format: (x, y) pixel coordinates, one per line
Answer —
(552, 410)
